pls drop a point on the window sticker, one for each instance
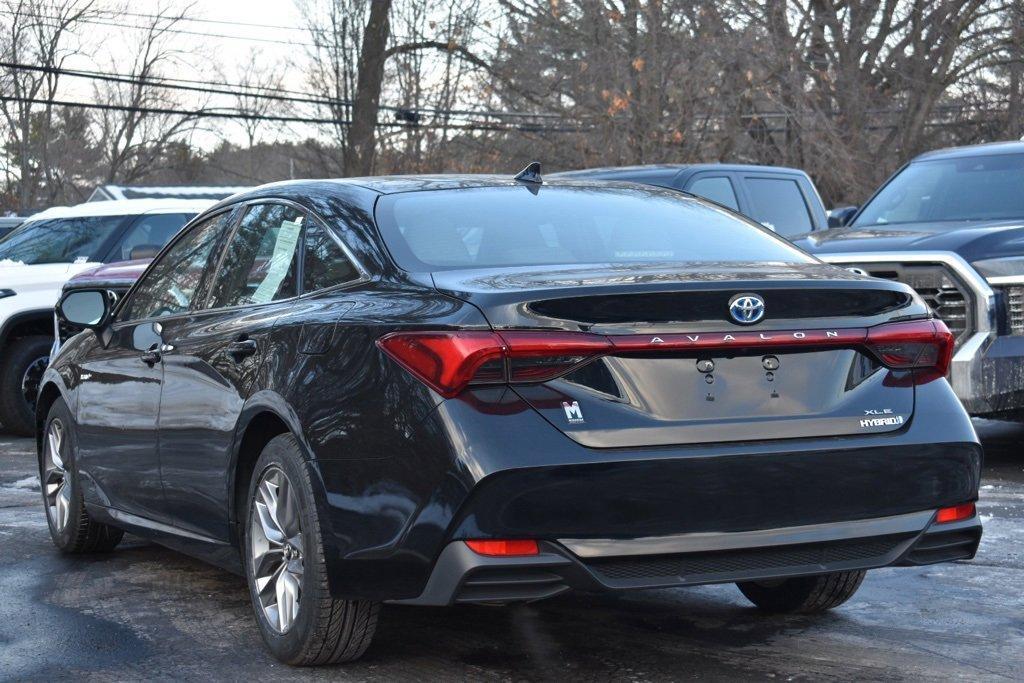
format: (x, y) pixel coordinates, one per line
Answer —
(281, 260)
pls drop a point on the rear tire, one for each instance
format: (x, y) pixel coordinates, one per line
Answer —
(20, 373)
(805, 594)
(72, 529)
(284, 544)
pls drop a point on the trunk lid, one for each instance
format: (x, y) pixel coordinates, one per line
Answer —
(717, 380)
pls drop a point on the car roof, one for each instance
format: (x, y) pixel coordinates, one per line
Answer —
(664, 169)
(382, 185)
(124, 207)
(987, 149)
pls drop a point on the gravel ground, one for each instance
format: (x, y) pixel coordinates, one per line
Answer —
(147, 613)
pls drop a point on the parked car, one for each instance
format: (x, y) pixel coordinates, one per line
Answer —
(478, 389)
(38, 257)
(951, 225)
(9, 223)
(784, 200)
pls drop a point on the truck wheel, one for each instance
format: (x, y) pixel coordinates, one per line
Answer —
(24, 361)
(805, 594)
(300, 621)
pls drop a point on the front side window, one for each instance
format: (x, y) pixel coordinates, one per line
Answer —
(61, 240)
(170, 286)
(949, 190)
(778, 204)
(565, 225)
(261, 260)
(147, 237)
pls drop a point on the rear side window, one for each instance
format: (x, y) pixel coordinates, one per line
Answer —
(325, 264)
(148, 236)
(778, 204)
(567, 224)
(261, 260)
(717, 190)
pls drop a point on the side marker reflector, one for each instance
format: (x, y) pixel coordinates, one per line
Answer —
(955, 513)
(504, 548)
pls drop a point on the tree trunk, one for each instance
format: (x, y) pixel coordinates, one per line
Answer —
(362, 139)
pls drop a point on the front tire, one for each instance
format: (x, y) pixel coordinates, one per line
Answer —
(24, 361)
(805, 594)
(287, 574)
(72, 529)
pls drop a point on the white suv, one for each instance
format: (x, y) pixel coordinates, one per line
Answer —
(38, 257)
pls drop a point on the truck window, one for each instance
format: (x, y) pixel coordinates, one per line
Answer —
(778, 203)
(717, 189)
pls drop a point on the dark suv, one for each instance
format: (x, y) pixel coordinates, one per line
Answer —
(951, 225)
(783, 200)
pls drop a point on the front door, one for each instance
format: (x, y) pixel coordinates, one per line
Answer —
(117, 421)
(122, 382)
(212, 358)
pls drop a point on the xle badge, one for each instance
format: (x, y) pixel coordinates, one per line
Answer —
(572, 412)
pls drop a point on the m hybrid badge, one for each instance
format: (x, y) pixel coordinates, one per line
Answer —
(746, 309)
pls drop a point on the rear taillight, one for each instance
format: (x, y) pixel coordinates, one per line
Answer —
(918, 344)
(448, 362)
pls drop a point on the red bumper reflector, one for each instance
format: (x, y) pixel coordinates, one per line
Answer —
(503, 548)
(955, 513)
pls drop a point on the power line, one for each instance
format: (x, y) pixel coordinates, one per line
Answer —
(179, 31)
(212, 114)
(305, 98)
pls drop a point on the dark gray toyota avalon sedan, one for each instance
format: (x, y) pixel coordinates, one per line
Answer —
(480, 389)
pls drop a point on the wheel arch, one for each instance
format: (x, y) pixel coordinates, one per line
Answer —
(50, 390)
(26, 323)
(264, 417)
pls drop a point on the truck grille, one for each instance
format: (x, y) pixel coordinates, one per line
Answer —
(936, 284)
(1015, 309)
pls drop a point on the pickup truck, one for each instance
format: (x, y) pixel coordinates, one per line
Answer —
(950, 224)
(781, 199)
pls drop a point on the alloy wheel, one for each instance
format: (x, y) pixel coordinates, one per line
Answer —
(31, 379)
(56, 484)
(276, 546)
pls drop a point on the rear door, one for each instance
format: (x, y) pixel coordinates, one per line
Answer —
(212, 357)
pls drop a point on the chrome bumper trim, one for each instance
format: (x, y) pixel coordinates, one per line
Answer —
(913, 522)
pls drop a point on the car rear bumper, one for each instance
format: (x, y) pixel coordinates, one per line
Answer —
(462, 576)
(476, 470)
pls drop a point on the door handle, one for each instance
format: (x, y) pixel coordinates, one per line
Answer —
(151, 357)
(241, 349)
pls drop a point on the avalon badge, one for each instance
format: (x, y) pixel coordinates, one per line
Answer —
(746, 309)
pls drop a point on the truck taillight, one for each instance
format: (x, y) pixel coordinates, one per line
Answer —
(449, 361)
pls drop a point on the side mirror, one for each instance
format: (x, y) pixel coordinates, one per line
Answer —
(841, 216)
(87, 308)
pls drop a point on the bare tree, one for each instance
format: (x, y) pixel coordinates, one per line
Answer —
(38, 36)
(134, 136)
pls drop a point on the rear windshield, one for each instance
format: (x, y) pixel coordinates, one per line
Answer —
(965, 189)
(60, 240)
(521, 226)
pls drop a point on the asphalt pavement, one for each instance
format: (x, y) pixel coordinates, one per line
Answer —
(147, 613)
